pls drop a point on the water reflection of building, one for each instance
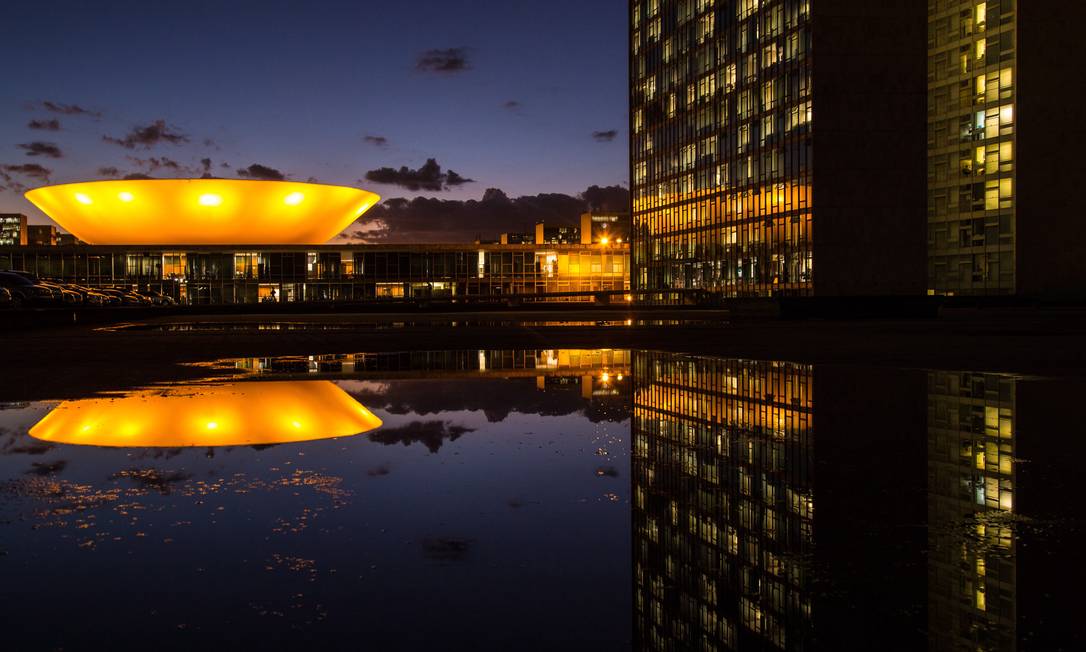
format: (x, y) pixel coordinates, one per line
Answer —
(972, 573)
(232, 414)
(722, 502)
(593, 380)
(575, 363)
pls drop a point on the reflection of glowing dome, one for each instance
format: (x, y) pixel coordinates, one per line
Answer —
(202, 211)
(210, 415)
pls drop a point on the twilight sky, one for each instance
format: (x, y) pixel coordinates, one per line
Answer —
(517, 95)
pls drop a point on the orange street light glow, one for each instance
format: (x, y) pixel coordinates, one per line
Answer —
(176, 211)
(240, 414)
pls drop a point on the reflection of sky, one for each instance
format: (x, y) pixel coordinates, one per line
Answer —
(506, 527)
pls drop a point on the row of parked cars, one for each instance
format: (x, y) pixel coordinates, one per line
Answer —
(18, 289)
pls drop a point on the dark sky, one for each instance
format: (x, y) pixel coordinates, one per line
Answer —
(516, 95)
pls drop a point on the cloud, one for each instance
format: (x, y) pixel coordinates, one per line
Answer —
(431, 434)
(378, 141)
(448, 61)
(147, 136)
(263, 172)
(446, 548)
(379, 470)
(606, 472)
(604, 136)
(41, 148)
(156, 163)
(69, 109)
(205, 169)
(44, 125)
(427, 177)
(512, 105)
(108, 171)
(32, 170)
(12, 183)
(152, 478)
(494, 398)
(46, 468)
(454, 179)
(33, 448)
(429, 219)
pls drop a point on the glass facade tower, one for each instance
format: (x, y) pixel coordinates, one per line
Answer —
(1004, 144)
(721, 145)
(732, 102)
(971, 147)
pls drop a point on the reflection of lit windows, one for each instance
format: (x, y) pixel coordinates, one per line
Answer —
(701, 426)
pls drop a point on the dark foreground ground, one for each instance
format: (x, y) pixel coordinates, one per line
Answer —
(58, 362)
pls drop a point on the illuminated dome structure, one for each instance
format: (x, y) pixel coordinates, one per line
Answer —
(240, 414)
(202, 211)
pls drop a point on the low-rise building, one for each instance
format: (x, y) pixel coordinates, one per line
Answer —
(605, 228)
(562, 234)
(12, 229)
(42, 235)
(67, 240)
(214, 274)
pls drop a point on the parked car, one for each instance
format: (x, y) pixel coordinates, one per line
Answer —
(91, 297)
(24, 274)
(5, 299)
(126, 297)
(25, 291)
(157, 298)
(62, 293)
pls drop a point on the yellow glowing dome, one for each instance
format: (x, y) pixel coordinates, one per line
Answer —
(241, 414)
(202, 211)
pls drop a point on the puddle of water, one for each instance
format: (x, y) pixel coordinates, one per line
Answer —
(612, 498)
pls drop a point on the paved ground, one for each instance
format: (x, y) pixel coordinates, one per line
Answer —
(76, 360)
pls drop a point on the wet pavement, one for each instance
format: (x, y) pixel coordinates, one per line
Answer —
(536, 498)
